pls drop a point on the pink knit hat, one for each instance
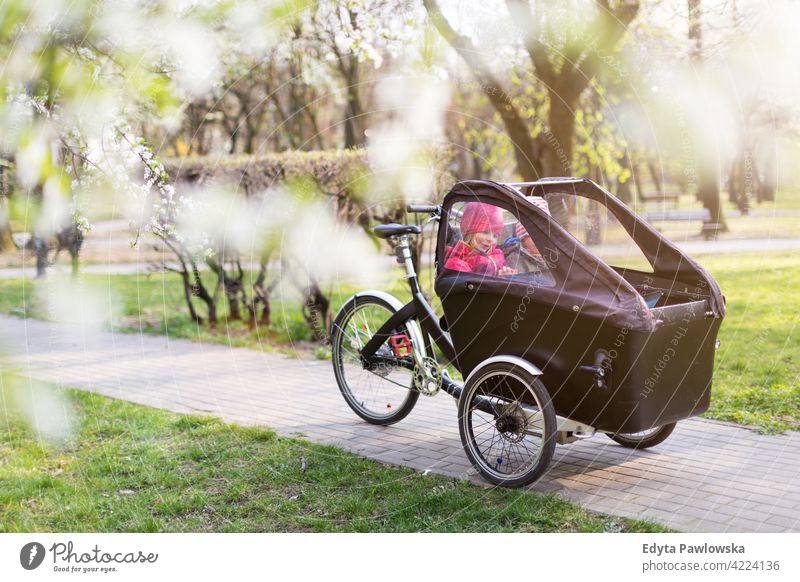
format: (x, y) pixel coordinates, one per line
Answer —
(480, 217)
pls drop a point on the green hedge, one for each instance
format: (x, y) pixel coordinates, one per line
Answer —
(343, 173)
(334, 172)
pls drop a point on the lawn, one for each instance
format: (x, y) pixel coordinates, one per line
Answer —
(129, 468)
(786, 198)
(757, 374)
(757, 367)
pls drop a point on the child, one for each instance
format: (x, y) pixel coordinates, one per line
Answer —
(481, 224)
(527, 241)
(525, 257)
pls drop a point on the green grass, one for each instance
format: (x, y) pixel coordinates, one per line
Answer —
(758, 364)
(129, 468)
(757, 367)
(154, 303)
(787, 197)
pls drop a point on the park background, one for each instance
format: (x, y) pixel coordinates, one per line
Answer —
(211, 171)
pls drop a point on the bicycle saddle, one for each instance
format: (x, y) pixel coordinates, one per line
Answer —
(387, 230)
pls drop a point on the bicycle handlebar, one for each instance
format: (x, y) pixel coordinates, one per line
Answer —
(424, 208)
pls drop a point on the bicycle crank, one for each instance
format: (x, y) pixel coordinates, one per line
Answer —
(427, 377)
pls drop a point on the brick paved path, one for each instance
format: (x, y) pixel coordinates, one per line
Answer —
(707, 476)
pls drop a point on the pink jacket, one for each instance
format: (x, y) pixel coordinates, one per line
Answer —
(463, 257)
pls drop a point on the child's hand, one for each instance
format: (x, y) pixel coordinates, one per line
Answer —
(506, 271)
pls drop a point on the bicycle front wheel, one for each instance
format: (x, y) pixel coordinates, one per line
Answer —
(382, 394)
(507, 424)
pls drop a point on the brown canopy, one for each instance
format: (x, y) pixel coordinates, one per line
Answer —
(585, 283)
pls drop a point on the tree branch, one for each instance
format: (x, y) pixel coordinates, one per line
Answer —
(521, 12)
(525, 148)
(611, 24)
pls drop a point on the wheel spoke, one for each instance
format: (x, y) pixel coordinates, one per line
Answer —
(376, 392)
(506, 446)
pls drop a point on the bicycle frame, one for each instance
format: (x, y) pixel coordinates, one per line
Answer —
(418, 308)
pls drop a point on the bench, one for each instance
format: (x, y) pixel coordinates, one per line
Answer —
(710, 230)
(661, 197)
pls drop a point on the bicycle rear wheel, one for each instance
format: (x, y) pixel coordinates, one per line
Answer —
(381, 394)
(644, 439)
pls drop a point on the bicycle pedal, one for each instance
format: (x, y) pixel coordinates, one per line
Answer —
(401, 345)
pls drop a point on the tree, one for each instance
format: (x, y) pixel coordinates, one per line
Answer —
(356, 38)
(565, 65)
(81, 76)
(331, 19)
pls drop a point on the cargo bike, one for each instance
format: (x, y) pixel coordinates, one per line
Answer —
(565, 313)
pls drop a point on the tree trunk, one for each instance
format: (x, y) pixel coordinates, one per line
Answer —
(738, 187)
(593, 227)
(353, 124)
(707, 174)
(6, 240)
(74, 262)
(41, 250)
(636, 176)
(285, 121)
(624, 191)
(767, 184)
(212, 313)
(233, 287)
(316, 310)
(655, 175)
(70, 239)
(199, 290)
(250, 140)
(350, 129)
(526, 153)
(312, 119)
(708, 193)
(476, 162)
(557, 155)
(261, 294)
(187, 294)
(234, 313)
